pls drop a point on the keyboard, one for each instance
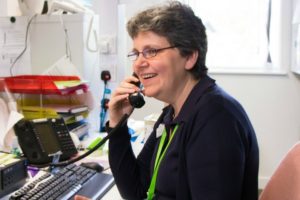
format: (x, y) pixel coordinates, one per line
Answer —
(65, 184)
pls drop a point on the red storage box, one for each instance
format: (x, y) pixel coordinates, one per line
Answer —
(42, 84)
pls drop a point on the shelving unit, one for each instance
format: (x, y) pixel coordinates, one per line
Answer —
(45, 97)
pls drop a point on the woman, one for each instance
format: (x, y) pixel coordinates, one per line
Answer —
(211, 150)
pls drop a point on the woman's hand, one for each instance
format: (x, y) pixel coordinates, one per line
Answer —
(119, 104)
(78, 197)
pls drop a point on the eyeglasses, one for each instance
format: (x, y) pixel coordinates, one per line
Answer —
(147, 53)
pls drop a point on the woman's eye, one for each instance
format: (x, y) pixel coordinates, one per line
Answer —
(151, 51)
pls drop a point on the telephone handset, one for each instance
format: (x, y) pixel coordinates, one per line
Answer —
(136, 99)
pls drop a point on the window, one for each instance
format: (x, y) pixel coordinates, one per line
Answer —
(243, 35)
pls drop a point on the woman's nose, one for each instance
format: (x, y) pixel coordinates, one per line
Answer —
(141, 61)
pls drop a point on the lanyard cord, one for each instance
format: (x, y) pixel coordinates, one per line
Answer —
(159, 157)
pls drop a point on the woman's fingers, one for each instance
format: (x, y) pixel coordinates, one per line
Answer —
(114, 102)
(127, 87)
(122, 92)
(79, 197)
(119, 104)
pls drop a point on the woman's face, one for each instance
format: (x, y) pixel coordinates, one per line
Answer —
(163, 75)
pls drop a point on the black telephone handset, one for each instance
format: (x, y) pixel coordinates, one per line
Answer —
(136, 99)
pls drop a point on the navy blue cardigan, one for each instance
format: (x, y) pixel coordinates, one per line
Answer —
(213, 155)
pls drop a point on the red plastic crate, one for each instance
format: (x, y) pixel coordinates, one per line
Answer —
(41, 84)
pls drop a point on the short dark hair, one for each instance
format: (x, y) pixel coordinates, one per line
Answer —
(182, 28)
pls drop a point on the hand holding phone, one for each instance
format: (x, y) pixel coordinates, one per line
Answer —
(123, 100)
(136, 99)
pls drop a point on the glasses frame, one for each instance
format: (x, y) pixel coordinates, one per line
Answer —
(147, 53)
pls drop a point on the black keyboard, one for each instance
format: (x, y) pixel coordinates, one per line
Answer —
(64, 184)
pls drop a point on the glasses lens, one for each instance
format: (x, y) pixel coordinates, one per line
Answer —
(132, 56)
(149, 53)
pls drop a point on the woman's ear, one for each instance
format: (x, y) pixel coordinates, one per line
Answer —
(191, 60)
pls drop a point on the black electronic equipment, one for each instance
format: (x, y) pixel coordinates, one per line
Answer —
(105, 75)
(136, 99)
(41, 139)
(13, 174)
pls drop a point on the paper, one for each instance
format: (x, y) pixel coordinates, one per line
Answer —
(3, 121)
(12, 43)
(37, 112)
(67, 108)
(63, 67)
(66, 84)
(160, 130)
(7, 121)
(10, 136)
(6, 159)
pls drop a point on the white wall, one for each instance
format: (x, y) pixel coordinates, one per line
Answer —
(9, 8)
(108, 25)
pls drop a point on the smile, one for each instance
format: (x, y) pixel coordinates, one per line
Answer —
(147, 76)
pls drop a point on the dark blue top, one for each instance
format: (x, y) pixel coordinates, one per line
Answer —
(213, 155)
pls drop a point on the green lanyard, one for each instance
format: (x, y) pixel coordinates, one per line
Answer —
(159, 157)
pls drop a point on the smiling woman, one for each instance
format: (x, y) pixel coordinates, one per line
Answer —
(207, 148)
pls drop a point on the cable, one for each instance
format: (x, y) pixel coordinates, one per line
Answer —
(95, 36)
(269, 59)
(103, 104)
(20, 55)
(67, 41)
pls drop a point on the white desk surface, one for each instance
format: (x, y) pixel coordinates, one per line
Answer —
(112, 194)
